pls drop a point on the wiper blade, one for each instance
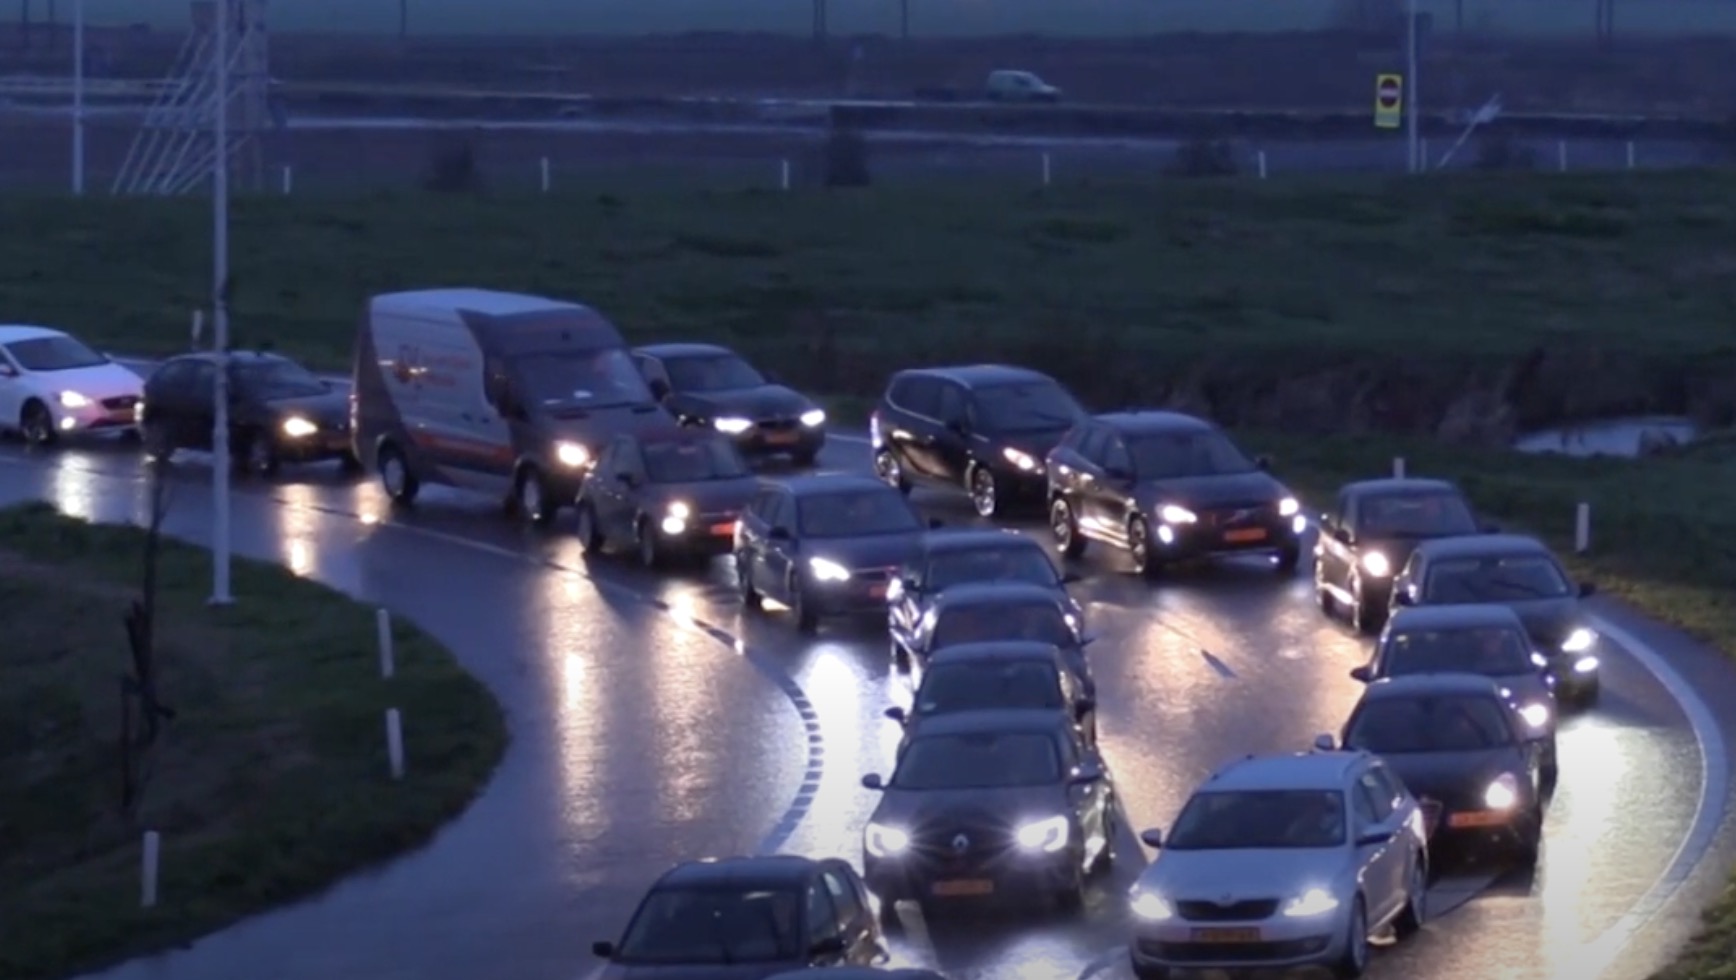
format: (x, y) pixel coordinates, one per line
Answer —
(1531, 590)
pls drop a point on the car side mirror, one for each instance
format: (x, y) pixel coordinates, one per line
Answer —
(935, 523)
(1362, 674)
(829, 946)
(1374, 838)
(779, 534)
(1403, 597)
(1151, 838)
(603, 950)
(1263, 462)
(873, 781)
(1587, 589)
(659, 389)
(896, 714)
(1071, 578)
(910, 585)
(1083, 707)
(1087, 776)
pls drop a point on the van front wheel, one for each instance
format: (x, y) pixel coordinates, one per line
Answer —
(396, 477)
(533, 498)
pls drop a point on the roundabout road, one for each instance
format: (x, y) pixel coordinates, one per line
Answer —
(639, 742)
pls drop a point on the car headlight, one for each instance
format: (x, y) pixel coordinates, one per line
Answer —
(1535, 715)
(1579, 641)
(679, 510)
(1023, 460)
(884, 841)
(813, 418)
(1539, 659)
(1314, 901)
(1172, 514)
(298, 428)
(1503, 793)
(826, 570)
(1585, 665)
(1047, 836)
(732, 426)
(572, 454)
(1150, 907)
(1289, 507)
(1376, 564)
(72, 399)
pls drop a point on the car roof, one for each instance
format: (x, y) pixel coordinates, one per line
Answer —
(994, 721)
(773, 869)
(1395, 485)
(1454, 616)
(1295, 770)
(488, 302)
(10, 332)
(235, 357)
(813, 484)
(973, 538)
(999, 651)
(1426, 685)
(989, 593)
(978, 375)
(1138, 421)
(1481, 546)
(682, 350)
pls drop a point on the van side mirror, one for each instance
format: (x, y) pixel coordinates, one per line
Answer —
(1362, 674)
(1151, 838)
(1587, 589)
(603, 950)
(1263, 462)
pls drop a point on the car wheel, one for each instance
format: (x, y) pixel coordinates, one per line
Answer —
(887, 469)
(1288, 560)
(807, 619)
(259, 455)
(1550, 772)
(984, 494)
(1416, 886)
(1066, 530)
(36, 424)
(1361, 616)
(531, 496)
(590, 535)
(900, 658)
(1353, 962)
(750, 597)
(1139, 549)
(645, 540)
(1530, 844)
(1323, 596)
(396, 479)
(1071, 896)
(349, 462)
(158, 445)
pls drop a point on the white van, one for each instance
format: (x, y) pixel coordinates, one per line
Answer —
(500, 393)
(1007, 85)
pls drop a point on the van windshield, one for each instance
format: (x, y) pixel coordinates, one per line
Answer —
(567, 381)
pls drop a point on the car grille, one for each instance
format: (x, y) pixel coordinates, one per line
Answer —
(777, 425)
(873, 575)
(1251, 910)
(120, 404)
(1239, 515)
(1231, 953)
(986, 839)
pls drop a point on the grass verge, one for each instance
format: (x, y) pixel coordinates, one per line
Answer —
(269, 784)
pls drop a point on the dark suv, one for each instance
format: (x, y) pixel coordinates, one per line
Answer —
(982, 428)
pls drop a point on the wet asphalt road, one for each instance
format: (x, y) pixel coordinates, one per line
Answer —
(641, 740)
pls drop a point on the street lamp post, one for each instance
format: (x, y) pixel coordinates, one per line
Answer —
(220, 590)
(78, 98)
(1411, 86)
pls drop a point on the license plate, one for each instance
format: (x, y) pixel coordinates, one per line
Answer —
(964, 888)
(1479, 818)
(1226, 935)
(727, 529)
(782, 438)
(1246, 534)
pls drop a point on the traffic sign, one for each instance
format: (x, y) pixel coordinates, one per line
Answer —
(1388, 100)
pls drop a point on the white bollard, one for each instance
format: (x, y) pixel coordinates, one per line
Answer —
(1260, 162)
(288, 179)
(1632, 155)
(1048, 172)
(198, 327)
(395, 742)
(1582, 528)
(1398, 467)
(1561, 156)
(546, 176)
(784, 175)
(383, 628)
(148, 870)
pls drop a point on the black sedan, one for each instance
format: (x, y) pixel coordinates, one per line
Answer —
(279, 412)
(1370, 533)
(1462, 749)
(747, 918)
(824, 545)
(1167, 487)
(966, 556)
(714, 387)
(987, 804)
(988, 676)
(1524, 575)
(1487, 640)
(669, 493)
(996, 612)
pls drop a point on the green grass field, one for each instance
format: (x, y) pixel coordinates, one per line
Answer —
(270, 783)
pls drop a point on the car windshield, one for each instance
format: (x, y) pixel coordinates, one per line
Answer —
(1019, 560)
(1259, 820)
(1173, 455)
(856, 513)
(705, 926)
(693, 461)
(1503, 578)
(1038, 622)
(277, 378)
(986, 685)
(577, 381)
(990, 761)
(1027, 406)
(712, 372)
(1436, 513)
(57, 353)
(1453, 723)
(1490, 651)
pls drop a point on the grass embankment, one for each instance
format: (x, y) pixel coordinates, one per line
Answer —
(270, 783)
(1372, 302)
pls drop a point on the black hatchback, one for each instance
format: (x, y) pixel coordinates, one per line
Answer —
(278, 411)
(983, 429)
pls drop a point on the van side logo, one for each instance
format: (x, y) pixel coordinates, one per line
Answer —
(404, 367)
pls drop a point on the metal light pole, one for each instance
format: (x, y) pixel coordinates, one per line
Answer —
(1411, 85)
(78, 98)
(220, 595)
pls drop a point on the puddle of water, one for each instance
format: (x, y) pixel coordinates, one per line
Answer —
(1613, 437)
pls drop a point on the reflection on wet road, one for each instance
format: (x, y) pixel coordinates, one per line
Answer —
(640, 739)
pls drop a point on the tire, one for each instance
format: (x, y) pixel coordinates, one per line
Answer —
(645, 544)
(1323, 597)
(1071, 896)
(985, 496)
(1065, 528)
(1288, 560)
(1362, 616)
(887, 469)
(1529, 849)
(590, 535)
(1410, 921)
(1352, 964)
(1550, 773)
(900, 658)
(258, 456)
(349, 462)
(36, 424)
(396, 477)
(751, 600)
(1145, 564)
(158, 444)
(530, 498)
(807, 620)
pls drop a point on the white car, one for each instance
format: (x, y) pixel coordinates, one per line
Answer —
(1280, 862)
(52, 385)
